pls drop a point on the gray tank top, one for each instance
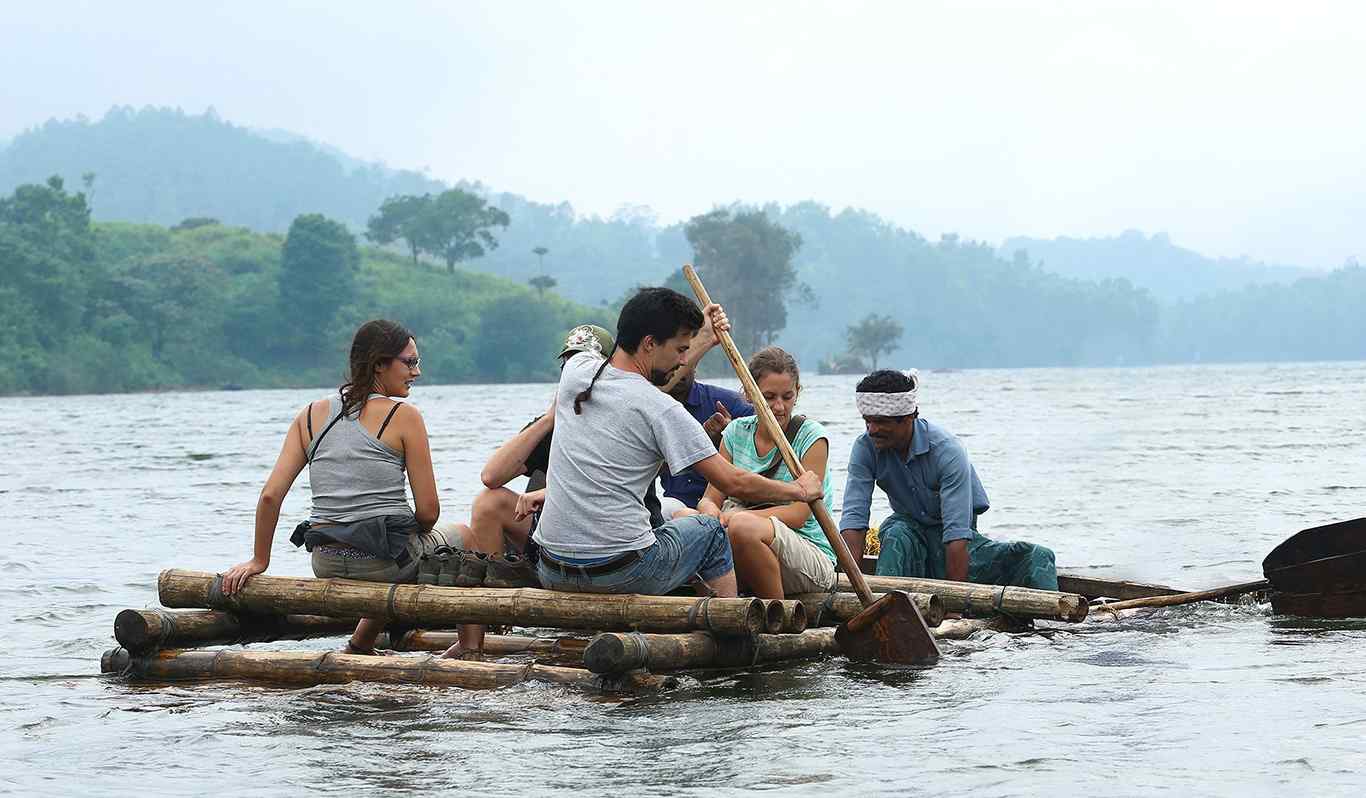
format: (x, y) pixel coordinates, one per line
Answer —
(353, 475)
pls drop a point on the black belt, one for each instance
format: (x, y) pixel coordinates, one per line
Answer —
(596, 569)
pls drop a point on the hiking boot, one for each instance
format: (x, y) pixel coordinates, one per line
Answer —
(468, 568)
(430, 566)
(448, 563)
(510, 570)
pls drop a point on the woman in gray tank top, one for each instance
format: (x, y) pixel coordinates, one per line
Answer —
(360, 447)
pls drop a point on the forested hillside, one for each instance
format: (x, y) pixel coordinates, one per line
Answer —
(159, 262)
(119, 307)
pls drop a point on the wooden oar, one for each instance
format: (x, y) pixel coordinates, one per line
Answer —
(1319, 572)
(890, 629)
(1185, 598)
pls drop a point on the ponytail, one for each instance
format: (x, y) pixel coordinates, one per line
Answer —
(587, 393)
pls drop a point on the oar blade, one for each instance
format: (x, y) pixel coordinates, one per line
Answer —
(1324, 559)
(891, 630)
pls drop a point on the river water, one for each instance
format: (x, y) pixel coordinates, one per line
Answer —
(1183, 475)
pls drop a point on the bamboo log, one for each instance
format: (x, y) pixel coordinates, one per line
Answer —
(430, 605)
(312, 668)
(785, 616)
(1021, 602)
(614, 652)
(560, 648)
(1187, 598)
(846, 605)
(141, 631)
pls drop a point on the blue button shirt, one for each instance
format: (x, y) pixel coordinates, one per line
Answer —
(689, 486)
(936, 485)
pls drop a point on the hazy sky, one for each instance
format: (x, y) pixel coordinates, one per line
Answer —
(1239, 127)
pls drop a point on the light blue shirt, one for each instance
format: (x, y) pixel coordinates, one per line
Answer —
(935, 485)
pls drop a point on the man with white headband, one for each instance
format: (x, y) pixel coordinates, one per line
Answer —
(935, 496)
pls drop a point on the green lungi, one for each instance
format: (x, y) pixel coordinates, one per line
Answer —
(906, 549)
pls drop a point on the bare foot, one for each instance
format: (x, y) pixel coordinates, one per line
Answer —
(456, 652)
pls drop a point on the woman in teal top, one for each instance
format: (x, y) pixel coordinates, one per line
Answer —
(779, 549)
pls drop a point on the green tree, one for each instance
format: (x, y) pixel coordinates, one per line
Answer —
(400, 217)
(873, 336)
(540, 253)
(542, 283)
(746, 260)
(47, 255)
(317, 277)
(456, 227)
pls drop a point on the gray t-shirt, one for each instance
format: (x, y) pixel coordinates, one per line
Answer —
(602, 462)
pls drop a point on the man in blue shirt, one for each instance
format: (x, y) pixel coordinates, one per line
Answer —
(935, 496)
(713, 406)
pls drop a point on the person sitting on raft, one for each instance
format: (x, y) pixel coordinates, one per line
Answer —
(499, 518)
(779, 548)
(713, 407)
(358, 446)
(935, 496)
(613, 429)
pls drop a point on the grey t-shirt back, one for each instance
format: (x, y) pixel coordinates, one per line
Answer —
(603, 461)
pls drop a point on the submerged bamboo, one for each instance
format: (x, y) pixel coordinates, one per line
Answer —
(430, 605)
(827, 609)
(1021, 602)
(313, 667)
(141, 631)
(615, 652)
(560, 648)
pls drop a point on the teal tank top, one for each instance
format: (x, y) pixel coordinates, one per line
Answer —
(739, 440)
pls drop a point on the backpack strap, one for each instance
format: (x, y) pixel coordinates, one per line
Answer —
(318, 440)
(794, 428)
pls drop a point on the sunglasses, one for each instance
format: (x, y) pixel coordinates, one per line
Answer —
(411, 362)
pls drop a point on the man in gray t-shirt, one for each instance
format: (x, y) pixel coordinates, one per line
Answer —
(613, 429)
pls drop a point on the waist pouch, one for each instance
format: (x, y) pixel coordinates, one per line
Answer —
(384, 536)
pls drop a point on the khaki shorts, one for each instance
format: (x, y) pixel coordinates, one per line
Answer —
(374, 569)
(805, 568)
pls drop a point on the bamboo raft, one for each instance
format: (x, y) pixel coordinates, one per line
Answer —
(605, 642)
(622, 640)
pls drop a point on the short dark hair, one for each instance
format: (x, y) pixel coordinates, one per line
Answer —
(661, 313)
(886, 381)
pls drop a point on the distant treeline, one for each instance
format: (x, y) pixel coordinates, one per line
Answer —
(121, 307)
(88, 309)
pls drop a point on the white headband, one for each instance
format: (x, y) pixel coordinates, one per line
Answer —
(891, 404)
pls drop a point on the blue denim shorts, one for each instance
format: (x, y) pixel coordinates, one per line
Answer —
(683, 548)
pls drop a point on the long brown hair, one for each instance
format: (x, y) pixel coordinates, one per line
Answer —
(774, 360)
(375, 344)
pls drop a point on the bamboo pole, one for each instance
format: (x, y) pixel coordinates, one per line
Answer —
(615, 652)
(560, 648)
(790, 459)
(141, 631)
(430, 605)
(826, 609)
(1186, 598)
(312, 668)
(1021, 602)
(785, 616)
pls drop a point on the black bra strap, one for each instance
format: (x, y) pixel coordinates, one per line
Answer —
(392, 411)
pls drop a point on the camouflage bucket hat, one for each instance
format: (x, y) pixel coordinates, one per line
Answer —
(587, 338)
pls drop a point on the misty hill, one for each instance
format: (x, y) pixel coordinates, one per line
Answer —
(1153, 262)
(161, 165)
